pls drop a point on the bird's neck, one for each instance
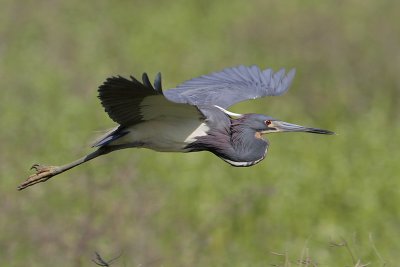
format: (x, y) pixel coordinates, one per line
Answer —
(249, 146)
(239, 146)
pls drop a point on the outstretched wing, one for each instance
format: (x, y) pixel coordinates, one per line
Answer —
(231, 85)
(128, 101)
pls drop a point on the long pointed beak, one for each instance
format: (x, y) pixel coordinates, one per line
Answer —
(282, 126)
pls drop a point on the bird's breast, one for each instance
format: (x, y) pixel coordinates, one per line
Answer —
(243, 163)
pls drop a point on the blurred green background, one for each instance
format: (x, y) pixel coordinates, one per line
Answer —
(166, 209)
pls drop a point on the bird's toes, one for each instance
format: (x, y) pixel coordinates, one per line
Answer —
(35, 166)
(42, 174)
(40, 168)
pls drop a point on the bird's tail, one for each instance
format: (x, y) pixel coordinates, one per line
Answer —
(108, 137)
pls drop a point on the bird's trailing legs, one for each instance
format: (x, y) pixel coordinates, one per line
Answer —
(44, 173)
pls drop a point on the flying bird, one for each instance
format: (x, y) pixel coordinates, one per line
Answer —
(189, 118)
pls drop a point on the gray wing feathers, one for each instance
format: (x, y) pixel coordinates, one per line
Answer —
(231, 85)
(128, 101)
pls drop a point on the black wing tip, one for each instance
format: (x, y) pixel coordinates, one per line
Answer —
(146, 80)
(119, 80)
(157, 82)
(114, 80)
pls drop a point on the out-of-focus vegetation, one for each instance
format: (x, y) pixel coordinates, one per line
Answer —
(165, 209)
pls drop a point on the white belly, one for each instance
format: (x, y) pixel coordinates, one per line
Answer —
(170, 135)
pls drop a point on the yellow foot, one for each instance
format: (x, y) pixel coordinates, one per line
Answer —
(43, 173)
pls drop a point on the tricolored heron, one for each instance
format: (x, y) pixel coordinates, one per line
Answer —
(191, 117)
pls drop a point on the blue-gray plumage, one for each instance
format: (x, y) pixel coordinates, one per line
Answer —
(231, 85)
(189, 118)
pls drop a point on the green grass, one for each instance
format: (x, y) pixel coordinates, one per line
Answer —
(193, 209)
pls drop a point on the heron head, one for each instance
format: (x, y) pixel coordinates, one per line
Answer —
(264, 124)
